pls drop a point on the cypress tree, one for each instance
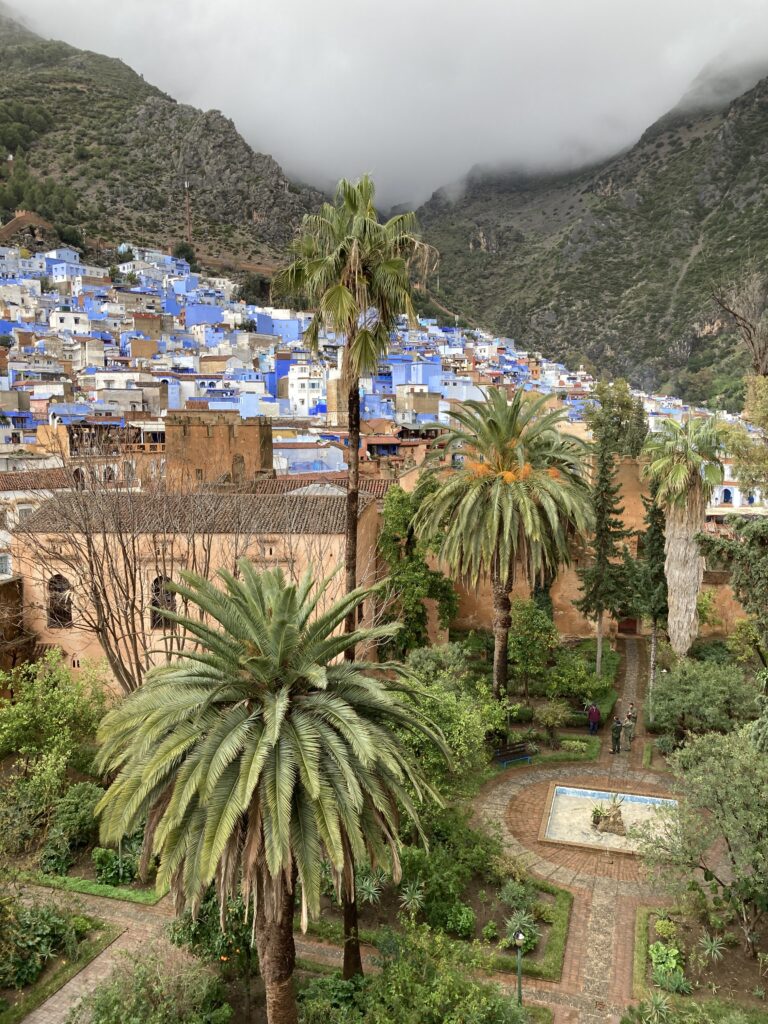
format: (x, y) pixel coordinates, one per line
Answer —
(604, 580)
(651, 586)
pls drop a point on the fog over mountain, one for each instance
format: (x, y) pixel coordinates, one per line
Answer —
(419, 91)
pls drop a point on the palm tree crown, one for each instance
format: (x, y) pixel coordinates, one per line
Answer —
(263, 751)
(354, 272)
(520, 491)
(685, 458)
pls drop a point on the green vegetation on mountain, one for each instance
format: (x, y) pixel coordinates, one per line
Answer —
(614, 266)
(119, 152)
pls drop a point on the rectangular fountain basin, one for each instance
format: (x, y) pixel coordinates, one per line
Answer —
(568, 817)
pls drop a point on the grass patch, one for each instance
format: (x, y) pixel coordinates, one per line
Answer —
(640, 958)
(720, 1010)
(43, 989)
(538, 1014)
(89, 888)
(648, 754)
(550, 966)
(591, 752)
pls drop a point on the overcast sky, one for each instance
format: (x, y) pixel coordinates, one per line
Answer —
(417, 91)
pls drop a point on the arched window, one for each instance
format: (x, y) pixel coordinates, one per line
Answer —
(162, 599)
(109, 475)
(727, 496)
(79, 479)
(59, 602)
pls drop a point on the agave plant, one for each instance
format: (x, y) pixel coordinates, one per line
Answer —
(712, 946)
(412, 896)
(369, 887)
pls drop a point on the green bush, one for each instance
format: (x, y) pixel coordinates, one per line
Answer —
(423, 980)
(518, 895)
(30, 935)
(113, 868)
(155, 987)
(229, 948)
(73, 826)
(461, 921)
(700, 697)
(490, 932)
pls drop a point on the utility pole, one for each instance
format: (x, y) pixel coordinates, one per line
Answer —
(188, 211)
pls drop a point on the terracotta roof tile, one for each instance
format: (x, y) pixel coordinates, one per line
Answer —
(377, 487)
(36, 480)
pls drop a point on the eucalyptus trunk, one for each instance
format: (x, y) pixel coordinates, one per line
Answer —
(277, 960)
(684, 568)
(599, 645)
(502, 620)
(353, 501)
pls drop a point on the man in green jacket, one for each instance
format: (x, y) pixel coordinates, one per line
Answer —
(616, 735)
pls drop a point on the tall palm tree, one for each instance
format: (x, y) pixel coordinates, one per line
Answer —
(684, 465)
(520, 492)
(262, 753)
(355, 272)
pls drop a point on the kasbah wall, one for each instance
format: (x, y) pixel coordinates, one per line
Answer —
(476, 606)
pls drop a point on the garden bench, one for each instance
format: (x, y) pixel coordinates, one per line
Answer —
(512, 752)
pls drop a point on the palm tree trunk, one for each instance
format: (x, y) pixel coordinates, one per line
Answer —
(652, 667)
(353, 961)
(501, 623)
(599, 646)
(353, 501)
(684, 569)
(277, 960)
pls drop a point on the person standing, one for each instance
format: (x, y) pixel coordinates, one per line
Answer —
(616, 735)
(628, 728)
(593, 718)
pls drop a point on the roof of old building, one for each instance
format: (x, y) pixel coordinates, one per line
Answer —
(377, 487)
(55, 479)
(201, 513)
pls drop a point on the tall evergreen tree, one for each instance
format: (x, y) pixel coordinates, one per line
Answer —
(617, 417)
(651, 581)
(604, 580)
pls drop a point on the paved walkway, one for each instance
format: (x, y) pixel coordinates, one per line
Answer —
(596, 984)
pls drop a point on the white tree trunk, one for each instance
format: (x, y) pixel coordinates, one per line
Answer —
(684, 568)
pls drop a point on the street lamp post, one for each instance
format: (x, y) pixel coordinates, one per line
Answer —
(519, 940)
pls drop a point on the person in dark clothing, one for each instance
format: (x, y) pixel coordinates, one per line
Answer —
(616, 735)
(593, 718)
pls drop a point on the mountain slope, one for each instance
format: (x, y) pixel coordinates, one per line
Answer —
(614, 265)
(125, 149)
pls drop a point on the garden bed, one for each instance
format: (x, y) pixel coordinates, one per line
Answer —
(16, 1004)
(713, 963)
(545, 961)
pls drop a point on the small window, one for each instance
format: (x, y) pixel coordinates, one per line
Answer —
(24, 512)
(59, 603)
(109, 475)
(5, 565)
(198, 474)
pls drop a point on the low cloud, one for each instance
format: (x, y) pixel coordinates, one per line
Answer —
(420, 91)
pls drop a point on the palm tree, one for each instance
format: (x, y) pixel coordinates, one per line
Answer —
(355, 272)
(261, 753)
(684, 464)
(519, 494)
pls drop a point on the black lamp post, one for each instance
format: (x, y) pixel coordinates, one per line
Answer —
(519, 940)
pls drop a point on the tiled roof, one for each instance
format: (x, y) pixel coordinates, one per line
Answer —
(203, 513)
(377, 487)
(36, 480)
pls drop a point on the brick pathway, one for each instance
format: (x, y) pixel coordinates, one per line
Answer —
(596, 984)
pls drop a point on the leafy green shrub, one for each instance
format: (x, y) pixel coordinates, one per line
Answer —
(672, 980)
(30, 935)
(155, 988)
(73, 825)
(664, 957)
(113, 868)
(437, 979)
(461, 921)
(517, 895)
(490, 932)
(552, 716)
(665, 745)
(665, 929)
(700, 697)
